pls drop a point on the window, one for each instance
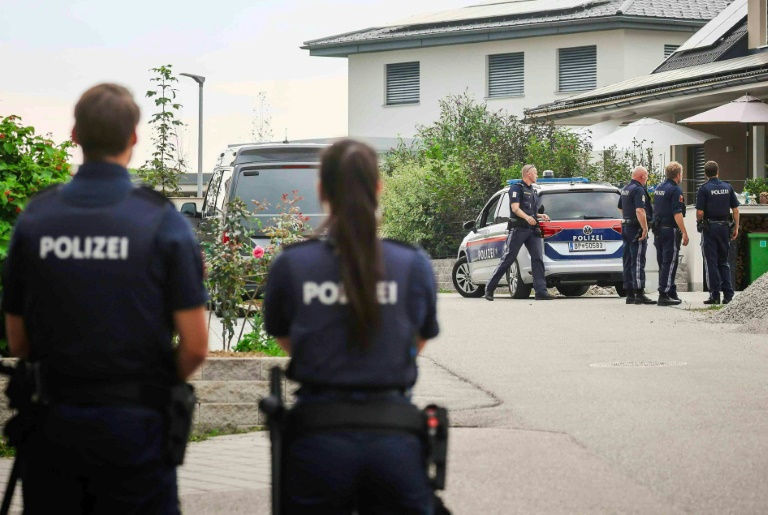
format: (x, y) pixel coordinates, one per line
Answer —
(581, 205)
(489, 213)
(403, 83)
(504, 210)
(506, 77)
(669, 50)
(577, 69)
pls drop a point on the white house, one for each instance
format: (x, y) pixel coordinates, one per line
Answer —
(515, 55)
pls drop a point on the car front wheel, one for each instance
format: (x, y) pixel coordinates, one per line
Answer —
(462, 281)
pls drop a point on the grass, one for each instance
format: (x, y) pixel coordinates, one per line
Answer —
(6, 451)
(716, 307)
(206, 435)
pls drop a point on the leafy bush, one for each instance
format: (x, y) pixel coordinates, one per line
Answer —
(28, 164)
(236, 269)
(457, 163)
(258, 340)
(756, 186)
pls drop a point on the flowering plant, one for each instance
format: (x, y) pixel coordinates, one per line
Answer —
(237, 269)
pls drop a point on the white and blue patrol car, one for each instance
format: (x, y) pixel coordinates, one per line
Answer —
(582, 241)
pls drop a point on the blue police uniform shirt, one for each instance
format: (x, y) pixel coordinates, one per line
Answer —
(634, 196)
(716, 198)
(304, 300)
(96, 268)
(526, 196)
(668, 201)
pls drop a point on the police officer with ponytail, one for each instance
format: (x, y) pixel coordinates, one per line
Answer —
(100, 275)
(353, 311)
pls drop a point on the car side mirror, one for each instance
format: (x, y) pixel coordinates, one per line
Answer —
(190, 209)
(469, 226)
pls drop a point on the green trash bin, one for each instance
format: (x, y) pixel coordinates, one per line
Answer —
(758, 255)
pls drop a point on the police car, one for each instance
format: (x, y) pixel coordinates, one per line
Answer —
(582, 241)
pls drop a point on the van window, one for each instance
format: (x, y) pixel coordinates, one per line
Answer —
(270, 184)
(209, 208)
(279, 155)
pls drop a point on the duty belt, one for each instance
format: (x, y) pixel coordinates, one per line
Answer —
(716, 220)
(382, 416)
(630, 221)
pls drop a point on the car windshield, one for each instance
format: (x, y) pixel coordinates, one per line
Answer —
(580, 205)
(268, 185)
(279, 155)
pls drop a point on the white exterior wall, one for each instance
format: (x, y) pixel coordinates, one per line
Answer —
(450, 70)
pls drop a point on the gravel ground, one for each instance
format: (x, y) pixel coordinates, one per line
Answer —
(750, 307)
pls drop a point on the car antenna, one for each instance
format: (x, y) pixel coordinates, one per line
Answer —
(286, 135)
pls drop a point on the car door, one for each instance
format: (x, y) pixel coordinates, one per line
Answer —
(484, 249)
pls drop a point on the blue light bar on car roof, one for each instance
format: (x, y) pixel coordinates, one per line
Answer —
(559, 180)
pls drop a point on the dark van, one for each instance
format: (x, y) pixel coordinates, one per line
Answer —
(264, 173)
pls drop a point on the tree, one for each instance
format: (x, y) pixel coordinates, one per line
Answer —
(261, 126)
(167, 164)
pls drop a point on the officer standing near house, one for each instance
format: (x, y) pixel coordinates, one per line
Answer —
(636, 210)
(669, 231)
(99, 276)
(524, 204)
(714, 200)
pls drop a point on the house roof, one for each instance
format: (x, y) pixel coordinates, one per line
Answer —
(683, 81)
(519, 19)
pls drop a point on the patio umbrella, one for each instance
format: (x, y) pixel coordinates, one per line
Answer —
(747, 109)
(651, 130)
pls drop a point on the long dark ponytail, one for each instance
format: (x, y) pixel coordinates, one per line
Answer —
(349, 178)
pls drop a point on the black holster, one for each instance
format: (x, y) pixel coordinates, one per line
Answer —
(181, 408)
(430, 424)
(655, 226)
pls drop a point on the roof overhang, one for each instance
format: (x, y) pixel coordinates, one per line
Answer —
(460, 36)
(685, 90)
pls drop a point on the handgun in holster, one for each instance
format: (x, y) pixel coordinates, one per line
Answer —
(655, 226)
(702, 225)
(272, 406)
(181, 409)
(25, 396)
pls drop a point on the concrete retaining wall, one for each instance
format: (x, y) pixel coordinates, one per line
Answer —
(228, 392)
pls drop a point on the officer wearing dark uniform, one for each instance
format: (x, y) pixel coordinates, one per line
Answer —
(636, 211)
(714, 200)
(524, 204)
(669, 231)
(99, 276)
(354, 312)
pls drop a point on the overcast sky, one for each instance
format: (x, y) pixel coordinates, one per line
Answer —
(51, 51)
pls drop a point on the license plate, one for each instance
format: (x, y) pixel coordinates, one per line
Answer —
(585, 246)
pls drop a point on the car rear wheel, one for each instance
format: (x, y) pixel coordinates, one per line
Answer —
(462, 282)
(573, 290)
(620, 290)
(517, 288)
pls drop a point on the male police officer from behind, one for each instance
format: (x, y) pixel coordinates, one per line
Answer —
(714, 200)
(669, 231)
(524, 203)
(99, 276)
(636, 211)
